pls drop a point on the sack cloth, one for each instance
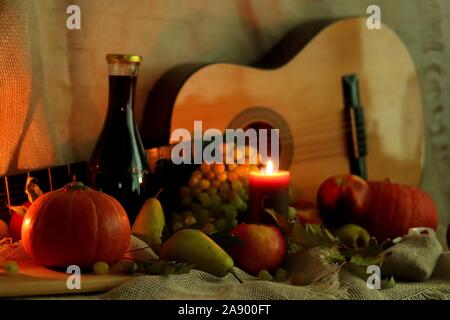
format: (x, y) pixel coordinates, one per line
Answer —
(201, 285)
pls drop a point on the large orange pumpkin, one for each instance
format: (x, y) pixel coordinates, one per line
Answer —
(394, 208)
(75, 225)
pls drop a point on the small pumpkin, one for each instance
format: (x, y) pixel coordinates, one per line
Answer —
(75, 225)
(394, 208)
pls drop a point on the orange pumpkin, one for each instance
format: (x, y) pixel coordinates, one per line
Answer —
(394, 208)
(75, 225)
(385, 209)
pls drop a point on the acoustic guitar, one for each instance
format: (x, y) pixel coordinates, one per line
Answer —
(304, 99)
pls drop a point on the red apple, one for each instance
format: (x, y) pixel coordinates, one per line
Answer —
(263, 247)
(15, 224)
(343, 199)
(310, 216)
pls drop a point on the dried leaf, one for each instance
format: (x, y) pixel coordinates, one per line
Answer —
(20, 210)
(281, 221)
(312, 235)
(160, 267)
(32, 189)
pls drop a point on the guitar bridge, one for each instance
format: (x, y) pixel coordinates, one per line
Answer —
(354, 125)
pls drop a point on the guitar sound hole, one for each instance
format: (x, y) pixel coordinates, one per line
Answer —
(257, 125)
(267, 118)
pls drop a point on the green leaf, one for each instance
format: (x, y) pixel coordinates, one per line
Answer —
(373, 249)
(387, 283)
(366, 261)
(313, 235)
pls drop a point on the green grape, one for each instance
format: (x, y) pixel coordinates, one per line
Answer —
(232, 195)
(195, 207)
(292, 212)
(186, 202)
(218, 167)
(202, 215)
(223, 195)
(233, 223)
(212, 190)
(189, 220)
(243, 207)
(208, 228)
(185, 192)
(242, 192)
(196, 192)
(197, 175)
(193, 182)
(236, 185)
(177, 226)
(101, 268)
(215, 200)
(281, 274)
(11, 267)
(230, 212)
(205, 200)
(265, 275)
(220, 224)
(224, 186)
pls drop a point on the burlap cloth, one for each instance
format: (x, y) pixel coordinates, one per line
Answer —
(201, 285)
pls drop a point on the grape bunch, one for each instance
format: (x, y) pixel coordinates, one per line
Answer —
(214, 198)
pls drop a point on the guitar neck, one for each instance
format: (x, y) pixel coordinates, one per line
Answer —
(12, 188)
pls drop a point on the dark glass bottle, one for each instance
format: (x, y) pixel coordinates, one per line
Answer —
(119, 164)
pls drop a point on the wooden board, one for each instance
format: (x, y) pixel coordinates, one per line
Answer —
(35, 280)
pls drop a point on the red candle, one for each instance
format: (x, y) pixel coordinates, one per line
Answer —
(268, 190)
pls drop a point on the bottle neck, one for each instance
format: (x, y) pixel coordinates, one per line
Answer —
(122, 84)
(121, 94)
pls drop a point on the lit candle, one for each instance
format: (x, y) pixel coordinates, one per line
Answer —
(268, 190)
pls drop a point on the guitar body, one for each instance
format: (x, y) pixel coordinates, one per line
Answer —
(304, 100)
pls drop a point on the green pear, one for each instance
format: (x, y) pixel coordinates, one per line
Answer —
(150, 222)
(195, 247)
(353, 236)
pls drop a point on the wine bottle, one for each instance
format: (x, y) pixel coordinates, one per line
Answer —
(118, 165)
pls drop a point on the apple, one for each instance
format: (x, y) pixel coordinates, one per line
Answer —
(343, 199)
(309, 216)
(15, 224)
(307, 212)
(262, 247)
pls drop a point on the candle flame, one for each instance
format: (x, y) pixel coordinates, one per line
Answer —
(269, 167)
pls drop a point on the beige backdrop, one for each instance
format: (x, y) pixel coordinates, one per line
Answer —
(53, 82)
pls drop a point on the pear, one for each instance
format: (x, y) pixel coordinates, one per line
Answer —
(195, 247)
(353, 236)
(150, 222)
